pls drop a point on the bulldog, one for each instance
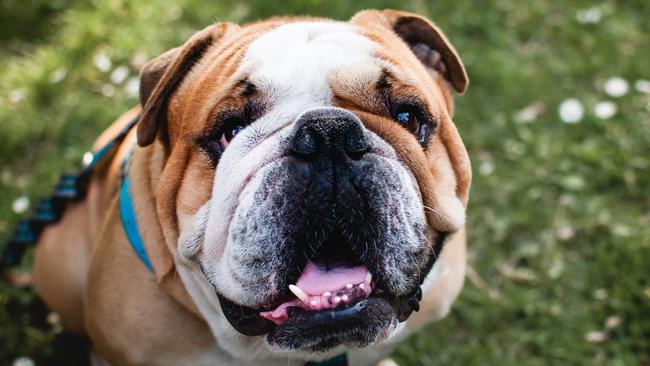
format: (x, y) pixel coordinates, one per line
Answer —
(300, 191)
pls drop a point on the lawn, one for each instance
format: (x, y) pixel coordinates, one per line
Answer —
(556, 121)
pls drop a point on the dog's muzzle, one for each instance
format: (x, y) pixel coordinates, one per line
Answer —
(340, 220)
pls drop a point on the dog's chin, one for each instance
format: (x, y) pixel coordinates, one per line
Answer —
(358, 325)
(354, 325)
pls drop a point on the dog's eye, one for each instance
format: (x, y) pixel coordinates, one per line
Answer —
(231, 129)
(414, 120)
(223, 130)
(407, 116)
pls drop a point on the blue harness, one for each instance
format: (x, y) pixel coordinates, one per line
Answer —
(130, 224)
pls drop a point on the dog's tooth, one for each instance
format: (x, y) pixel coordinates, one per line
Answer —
(345, 298)
(313, 303)
(362, 286)
(300, 294)
(369, 277)
(327, 294)
(337, 299)
(349, 286)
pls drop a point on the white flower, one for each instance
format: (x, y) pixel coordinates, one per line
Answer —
(596, 336)
(102, 62)
(23, 361)
(571, 111)
(486, 167)
(616, 86)
(57, 75)
(613, 321)
(565, 232)
(132, 87)
(20, 204)
(642, 86)
(621, 230)
(605, 109)
(530, 113)
(119, 74)
(591, 15)
(108, 90)
(16, 95)
(601, 294)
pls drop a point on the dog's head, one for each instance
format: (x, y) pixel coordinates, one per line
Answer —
(311, 171)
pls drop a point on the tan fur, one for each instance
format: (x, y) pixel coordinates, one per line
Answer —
(85, 268)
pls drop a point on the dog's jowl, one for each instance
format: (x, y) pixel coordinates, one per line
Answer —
(294, 191)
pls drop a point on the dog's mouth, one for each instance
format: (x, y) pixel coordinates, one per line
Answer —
(333, 301)
(324, 287)
(327, 306)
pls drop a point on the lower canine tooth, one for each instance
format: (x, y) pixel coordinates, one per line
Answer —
(362, 286)
(345, 298)
(298, 292)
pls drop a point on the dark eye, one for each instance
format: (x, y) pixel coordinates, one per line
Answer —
(404, 117)
(407, 116)
(214, 143)
(413, 119)
(231, 129)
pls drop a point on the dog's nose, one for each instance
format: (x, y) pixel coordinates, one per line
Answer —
(329, 132)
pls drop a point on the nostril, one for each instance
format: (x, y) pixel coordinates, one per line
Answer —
(355, 144)
(305, 143)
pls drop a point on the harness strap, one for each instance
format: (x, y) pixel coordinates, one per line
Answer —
(130, 224)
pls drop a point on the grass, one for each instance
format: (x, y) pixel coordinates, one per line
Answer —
(559, 213)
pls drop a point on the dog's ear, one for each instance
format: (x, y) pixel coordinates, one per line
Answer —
(425, 39)
(161, 76)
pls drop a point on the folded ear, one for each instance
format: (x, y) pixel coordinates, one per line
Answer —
(425, 39)
(161, 76)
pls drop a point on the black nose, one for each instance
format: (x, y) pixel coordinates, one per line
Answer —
(329, 132)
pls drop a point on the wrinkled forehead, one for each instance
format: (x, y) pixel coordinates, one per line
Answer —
(298, 59)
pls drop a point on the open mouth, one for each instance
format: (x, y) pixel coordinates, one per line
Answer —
(328, 305)
(322, 287)
(332, 302)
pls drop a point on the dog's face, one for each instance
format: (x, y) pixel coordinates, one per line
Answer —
(321, 170)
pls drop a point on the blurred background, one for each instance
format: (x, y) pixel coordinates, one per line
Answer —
(556, 121)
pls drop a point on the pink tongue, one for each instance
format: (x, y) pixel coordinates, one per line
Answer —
(316, 280)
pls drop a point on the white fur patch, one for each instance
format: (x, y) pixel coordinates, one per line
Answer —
(297, 59)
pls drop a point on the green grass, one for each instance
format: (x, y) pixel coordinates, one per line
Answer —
(559, 214)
